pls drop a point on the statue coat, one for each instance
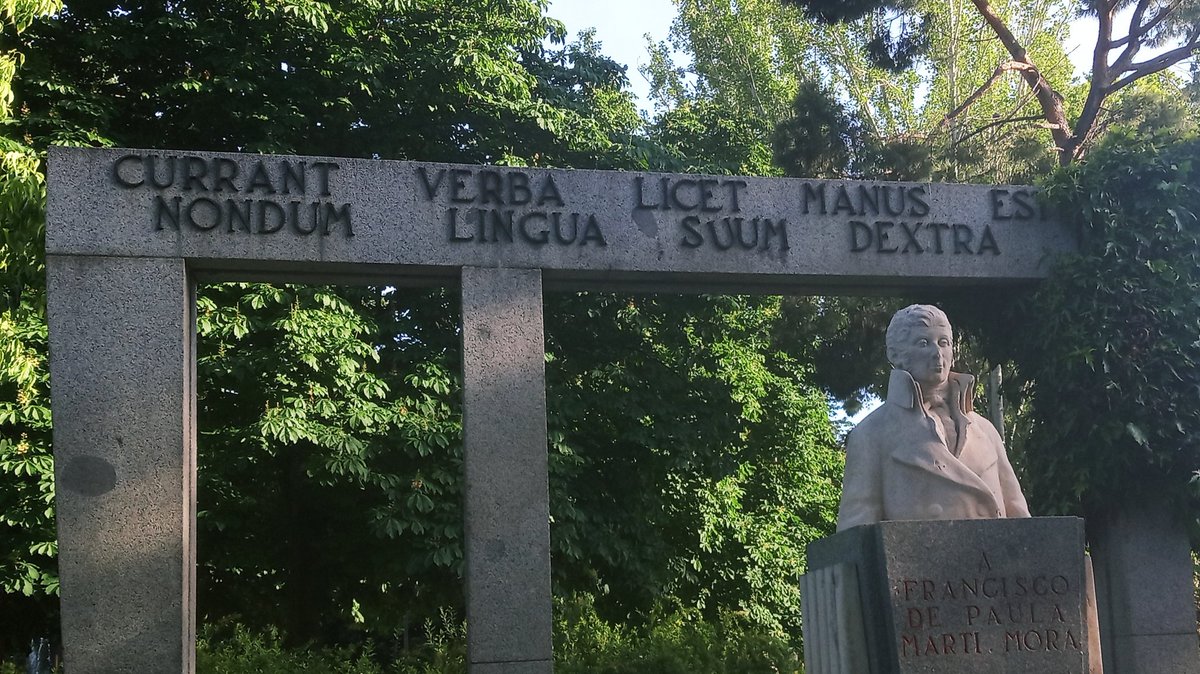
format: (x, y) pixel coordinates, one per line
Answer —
(898, 466)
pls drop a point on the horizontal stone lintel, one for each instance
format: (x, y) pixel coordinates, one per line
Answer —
(245, 216)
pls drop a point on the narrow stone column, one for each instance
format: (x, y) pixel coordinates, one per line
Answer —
(1143, 568)
(509, 621)
(121, 374)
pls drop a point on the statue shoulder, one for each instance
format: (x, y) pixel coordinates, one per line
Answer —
(873, 423)
(985, 425)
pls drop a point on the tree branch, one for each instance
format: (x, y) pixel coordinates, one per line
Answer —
(1158, 63)
(1135, 21)
(1099, 79)
(1000, 70)
(1139, 30)
(1048, 98)
(1103, 42)
(991, 125)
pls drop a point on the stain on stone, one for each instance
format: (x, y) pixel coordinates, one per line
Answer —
(644, 217)
(89, 475)
(495, 548)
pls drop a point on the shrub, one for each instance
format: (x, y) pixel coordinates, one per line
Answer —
(671, 642)
(233, 649)
(677, 642)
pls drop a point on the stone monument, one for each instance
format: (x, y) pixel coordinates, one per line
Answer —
(930, 570)
(130, 232)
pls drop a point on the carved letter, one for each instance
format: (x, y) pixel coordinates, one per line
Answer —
(162, 209)
(988, 242)
(881, 237)
(225, 179)
(911, 234)
(259, 180)
(452, 222)
(858, 227)
(518, 189)
(641, 193)
(998, 206)
(962, 239)
(807, 193)
(458, 184)
(214, 213)
(323, 169)
(775, 228)
(194, 174)
(691, 236)
(489, 189)
(591, 232)
(293, 177)
(919, 208)
(550, 192)
(119, 179)
(431, 188)
(240, 212)
(264, 225)
(340, 214)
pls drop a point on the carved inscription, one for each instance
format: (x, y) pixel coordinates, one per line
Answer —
(216, 195)
(990, 613)
(709, 213)
(488, 206)
(894, 219)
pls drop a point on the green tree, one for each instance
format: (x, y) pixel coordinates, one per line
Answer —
(27, 535)
(375, 425)
(1127, 358)
(1117, 60)
(330, 448)
(693, 460)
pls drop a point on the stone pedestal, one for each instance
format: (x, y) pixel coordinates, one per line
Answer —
(1144, 580)
(939, 597)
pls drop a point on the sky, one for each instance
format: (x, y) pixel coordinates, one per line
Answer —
(621, 24)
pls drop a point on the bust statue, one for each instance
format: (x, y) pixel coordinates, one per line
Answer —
(925, 454)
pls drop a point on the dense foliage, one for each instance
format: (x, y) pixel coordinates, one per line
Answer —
(1135, 40)
(691, 453)
(686, 436)
(676, 642)
(330, 448)
(1112, 392)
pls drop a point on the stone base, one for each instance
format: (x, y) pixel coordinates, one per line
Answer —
(939, 597)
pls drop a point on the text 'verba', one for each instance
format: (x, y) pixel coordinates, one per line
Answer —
(215, 194)
(492, 207)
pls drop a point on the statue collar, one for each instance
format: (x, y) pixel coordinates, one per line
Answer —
(905, 391)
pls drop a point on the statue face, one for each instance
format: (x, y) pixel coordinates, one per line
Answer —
(927, 353)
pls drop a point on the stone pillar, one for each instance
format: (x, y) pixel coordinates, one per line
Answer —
(507, 498)
(1144, 587)
(122, 378)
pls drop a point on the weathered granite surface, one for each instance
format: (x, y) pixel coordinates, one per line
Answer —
(1142, 548)
(590, 227)
(125, 462)
(507, 498)
(942, 597)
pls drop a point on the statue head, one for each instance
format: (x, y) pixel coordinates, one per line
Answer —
(921, 342)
